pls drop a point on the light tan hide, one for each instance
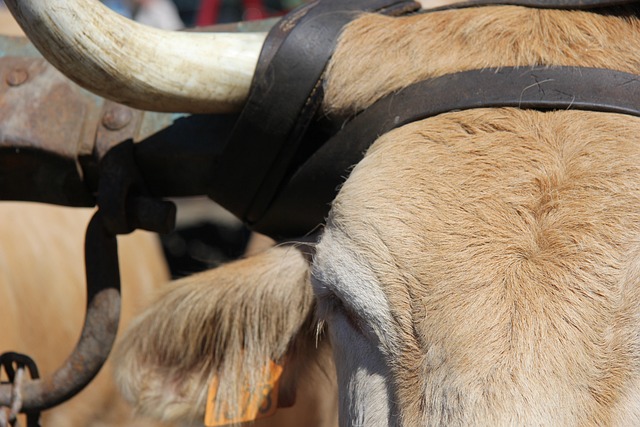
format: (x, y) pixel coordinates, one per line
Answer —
(505, 244)
(509, 263)
(432, 4)
(42, 295)
(8, 25)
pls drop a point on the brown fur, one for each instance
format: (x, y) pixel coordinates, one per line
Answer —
(512, 249)
(430, 45)
(505, 241)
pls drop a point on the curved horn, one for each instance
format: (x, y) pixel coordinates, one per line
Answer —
(140, 66)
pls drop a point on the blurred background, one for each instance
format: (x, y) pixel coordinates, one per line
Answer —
(175, 14)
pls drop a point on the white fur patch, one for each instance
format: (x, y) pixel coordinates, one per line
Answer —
(361, 329)
(366, 395)
(340, 271)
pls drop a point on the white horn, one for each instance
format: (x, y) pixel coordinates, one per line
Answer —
(140, 66)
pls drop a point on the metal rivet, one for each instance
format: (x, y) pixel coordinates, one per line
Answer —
(17, 77)
(116, 118)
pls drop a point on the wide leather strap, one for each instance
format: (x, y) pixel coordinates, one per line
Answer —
(542, 4)
(305, 200)
(285, 95)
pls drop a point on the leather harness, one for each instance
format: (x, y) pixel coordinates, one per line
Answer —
(282, 165)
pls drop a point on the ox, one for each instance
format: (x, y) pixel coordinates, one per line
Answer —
(479, 267)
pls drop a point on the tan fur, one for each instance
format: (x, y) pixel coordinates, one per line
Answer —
(258, 243)
(42, 300)
(228, 321)
(414, 48)
(513, 250)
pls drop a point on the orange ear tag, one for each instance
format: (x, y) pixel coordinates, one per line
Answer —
(261, 404)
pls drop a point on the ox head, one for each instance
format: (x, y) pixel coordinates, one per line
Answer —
(477, 268)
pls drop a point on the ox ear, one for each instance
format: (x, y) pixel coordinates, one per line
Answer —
(224, 325)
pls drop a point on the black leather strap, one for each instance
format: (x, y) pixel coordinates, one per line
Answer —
(304, 201)
(542, 4)
(285, 95)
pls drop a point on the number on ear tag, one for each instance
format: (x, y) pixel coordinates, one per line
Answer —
(261, 404)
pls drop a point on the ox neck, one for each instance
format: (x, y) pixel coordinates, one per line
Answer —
(281, 167)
